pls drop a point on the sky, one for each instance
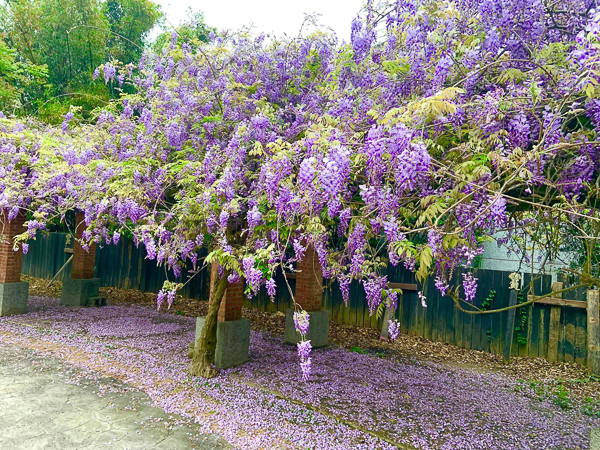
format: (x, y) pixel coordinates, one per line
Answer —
(276, 17)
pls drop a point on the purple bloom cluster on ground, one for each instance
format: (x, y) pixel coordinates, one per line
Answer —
(352, 400)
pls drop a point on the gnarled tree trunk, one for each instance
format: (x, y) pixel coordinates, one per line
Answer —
(204, 349)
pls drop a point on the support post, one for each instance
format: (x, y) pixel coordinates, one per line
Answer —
(233, 332)
(593, 330)
(81, 288)
(13, 292)
(309, 295)
(554, 327)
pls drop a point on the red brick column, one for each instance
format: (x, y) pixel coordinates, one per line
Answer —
(11, 262)
(83, 262)
(231, 304)
(309, 281)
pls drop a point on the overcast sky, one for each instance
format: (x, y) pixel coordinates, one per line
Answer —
(269, 16)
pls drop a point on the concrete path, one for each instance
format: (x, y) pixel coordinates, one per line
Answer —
(46, 404)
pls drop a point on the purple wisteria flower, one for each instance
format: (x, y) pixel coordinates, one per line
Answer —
(109, 72)
(441, 285)
(422, 298)
(469, 286)
(170, 298)
(271, 288)
(302, 322)
(65, 124)
(304, 349)
(393, 329)
(160, 299)
(305, 366)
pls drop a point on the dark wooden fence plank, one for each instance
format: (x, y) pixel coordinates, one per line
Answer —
(404, 312)
(581, 337)
(440, 317)
(554, 327)
(428, 318)
(510, 327)
(543, 334)
(413, 312)
(500, 300)
(569, 335)
(533, 339)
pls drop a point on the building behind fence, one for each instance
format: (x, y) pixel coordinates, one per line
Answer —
(539, 329)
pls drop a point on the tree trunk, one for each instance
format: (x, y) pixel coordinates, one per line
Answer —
(204, 349)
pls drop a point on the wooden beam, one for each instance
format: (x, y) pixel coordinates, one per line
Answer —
(290, 276)
(403, 286)
(560, 302)
(69, 250)
(554, 327)
(61, 270)
(593, 330)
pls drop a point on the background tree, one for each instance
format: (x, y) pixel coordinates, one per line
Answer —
(18, 79)
(130, 23)
(190, 30)
(72, 38)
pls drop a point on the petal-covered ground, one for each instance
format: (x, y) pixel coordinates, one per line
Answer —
(352, 400)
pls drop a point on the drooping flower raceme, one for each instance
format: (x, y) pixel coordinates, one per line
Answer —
(302, 322)
(469, 286)
(393, 329)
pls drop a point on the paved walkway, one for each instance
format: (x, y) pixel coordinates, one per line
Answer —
(47, 404)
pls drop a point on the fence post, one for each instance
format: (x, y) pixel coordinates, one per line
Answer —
(231, 303)
(233, 332)
(554, 328)
(82, 288)
(593, 330)
(13, 292)
(309, 295)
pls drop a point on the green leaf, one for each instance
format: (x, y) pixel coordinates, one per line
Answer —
(425, 260)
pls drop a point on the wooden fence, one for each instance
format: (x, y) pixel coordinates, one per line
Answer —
(122, 266)
(544, 330)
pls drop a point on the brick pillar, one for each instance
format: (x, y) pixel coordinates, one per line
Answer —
(13, 292)
(231, 304)
(11, 262)
(81, 288)
(233, 332)
(309, 281)
(309, 294)
(83, 262)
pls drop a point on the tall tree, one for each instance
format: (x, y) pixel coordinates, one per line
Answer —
(192, 29)
(130, 23)
(16, 77)
(73, 38)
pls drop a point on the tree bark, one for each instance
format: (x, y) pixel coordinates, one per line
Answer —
(204, 349)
